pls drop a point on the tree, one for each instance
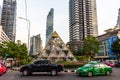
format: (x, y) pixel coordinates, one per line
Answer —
(91, 46)
(115, 47)
(2, 51)
(79, 52)
(13, 50)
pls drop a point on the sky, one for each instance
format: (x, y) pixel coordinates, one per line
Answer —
(37, 11)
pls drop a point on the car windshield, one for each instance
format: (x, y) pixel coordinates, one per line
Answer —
(88, 65)
(111, 62)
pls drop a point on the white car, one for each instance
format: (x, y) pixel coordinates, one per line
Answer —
(8, 64)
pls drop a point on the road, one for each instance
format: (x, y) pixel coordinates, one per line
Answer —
(16, 75)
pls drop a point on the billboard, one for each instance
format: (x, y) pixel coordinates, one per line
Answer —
(110, 42)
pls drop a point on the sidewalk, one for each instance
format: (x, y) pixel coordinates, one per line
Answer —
(15, 68)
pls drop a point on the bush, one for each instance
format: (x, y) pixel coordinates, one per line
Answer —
(69, 64)
(82, 58)
(78, 57)
(73, 65)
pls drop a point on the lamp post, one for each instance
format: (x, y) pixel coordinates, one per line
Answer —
(28, 29)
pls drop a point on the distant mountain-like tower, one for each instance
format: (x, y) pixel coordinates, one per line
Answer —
(49, 27)
(56, 50)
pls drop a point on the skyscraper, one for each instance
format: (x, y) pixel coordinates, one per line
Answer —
(0, 14)
(49, 27)
(35, 45)
(82, 22)
(8, 19)
(118, 20)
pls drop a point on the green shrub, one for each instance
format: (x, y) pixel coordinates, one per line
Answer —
(81, 58)
(73, 66)
(70, 64)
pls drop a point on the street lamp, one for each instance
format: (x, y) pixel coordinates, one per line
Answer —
(28, 30)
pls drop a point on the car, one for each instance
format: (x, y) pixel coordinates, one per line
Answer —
(110, 62)
(41, 66)
(10, 62)
(92, 69)
(117, 64)
(3, 68)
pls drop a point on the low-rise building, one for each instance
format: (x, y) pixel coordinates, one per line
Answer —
(3, 36)
(106, 40)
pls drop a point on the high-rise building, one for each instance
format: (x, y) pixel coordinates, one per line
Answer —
(49, 27)
(118, 20)
(0, 14)
(35, 45)
(8, 19)
(82, 22)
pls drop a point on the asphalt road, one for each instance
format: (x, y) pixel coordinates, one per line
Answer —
(16, 75)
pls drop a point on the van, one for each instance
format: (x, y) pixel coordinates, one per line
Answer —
(9, 62)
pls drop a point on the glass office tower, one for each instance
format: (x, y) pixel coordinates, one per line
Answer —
(8, 19)
(82, 22)
(49, 27)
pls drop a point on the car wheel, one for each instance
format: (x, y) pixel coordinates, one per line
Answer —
(1, 74)
(108, 73)
(53, 72)
(25, 72)
(90, 74)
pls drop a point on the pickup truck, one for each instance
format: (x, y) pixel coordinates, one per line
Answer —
(41, 66)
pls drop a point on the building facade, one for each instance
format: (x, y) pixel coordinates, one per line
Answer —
(106, 41)
(82, 22)
(3, 36)
(49, 25)
(18, 41)
(35, 45)
(8, 19)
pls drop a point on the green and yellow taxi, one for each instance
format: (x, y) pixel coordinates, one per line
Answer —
(94, 68)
